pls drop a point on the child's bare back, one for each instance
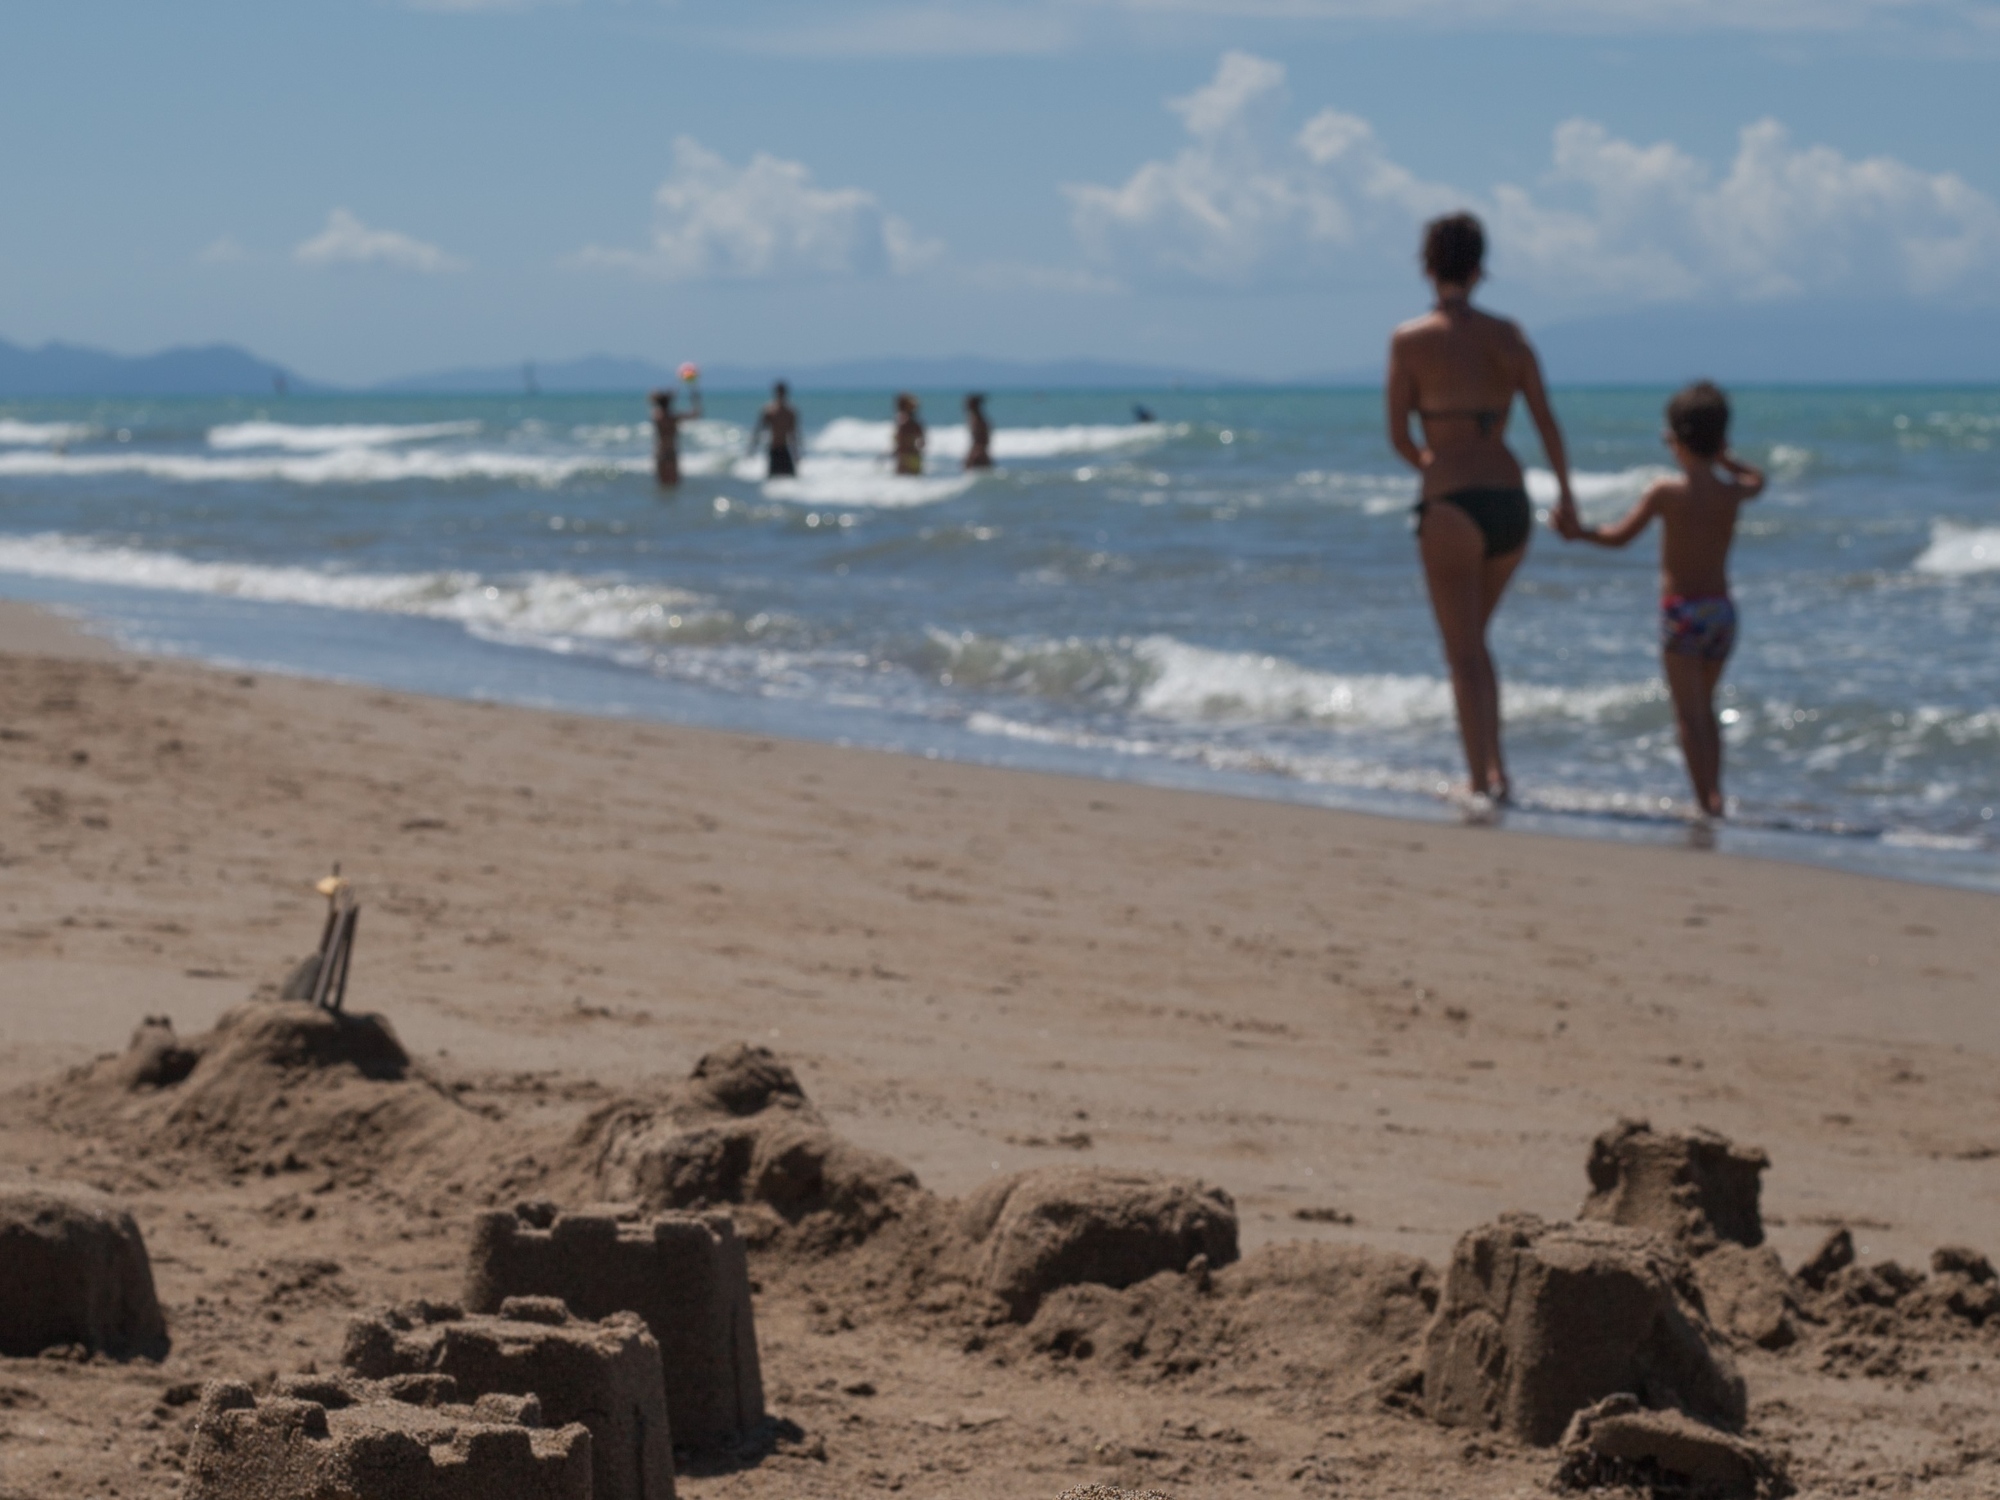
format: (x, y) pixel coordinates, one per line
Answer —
(1697, 511)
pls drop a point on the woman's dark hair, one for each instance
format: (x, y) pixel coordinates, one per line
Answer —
(1454, 249)
(1699, 417)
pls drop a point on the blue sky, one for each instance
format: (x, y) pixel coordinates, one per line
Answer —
(362, 188)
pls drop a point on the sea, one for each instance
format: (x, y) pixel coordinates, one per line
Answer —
(1225, 597)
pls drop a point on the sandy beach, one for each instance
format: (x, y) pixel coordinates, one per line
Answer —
(1397, 1030)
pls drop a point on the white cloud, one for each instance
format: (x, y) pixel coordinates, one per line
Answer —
(1780, 221)
(764, 220)
(346, 241)
(1243, 204)
(1240, 203)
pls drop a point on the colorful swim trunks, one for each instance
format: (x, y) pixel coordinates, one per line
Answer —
(1702, 626)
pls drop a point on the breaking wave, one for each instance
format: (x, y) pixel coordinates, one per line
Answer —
(15, 434)
(351, 465)
(1956, 551)
(295, 438)
(539, 604)
(853, 436)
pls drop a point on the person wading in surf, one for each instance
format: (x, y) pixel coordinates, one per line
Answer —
(909, 450)
(667, 436)
(1458, 370)
(1697, 513)
(781, 420)
(979, 434)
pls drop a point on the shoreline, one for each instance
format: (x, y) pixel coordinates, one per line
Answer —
(520, 678)
(1180, 956)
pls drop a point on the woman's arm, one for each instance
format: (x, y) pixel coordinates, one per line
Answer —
(1537, 397)
(1621, 533)
(1399, 391)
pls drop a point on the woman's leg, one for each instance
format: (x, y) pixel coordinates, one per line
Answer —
(1464, 588)
(1495, 575)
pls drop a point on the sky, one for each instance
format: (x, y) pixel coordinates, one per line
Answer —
(365, 188)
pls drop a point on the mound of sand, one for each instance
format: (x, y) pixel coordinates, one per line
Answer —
(1326, 1320)
(740, 1131)
(1619, 1444)
(74, 1271)
(1879, 1317)
(276, 1086)
(1054, 1227)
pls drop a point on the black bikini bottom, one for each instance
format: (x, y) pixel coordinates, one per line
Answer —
(1502, 515)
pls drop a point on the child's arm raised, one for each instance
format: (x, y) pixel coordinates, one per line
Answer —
(1621, 533)
(1749, 478)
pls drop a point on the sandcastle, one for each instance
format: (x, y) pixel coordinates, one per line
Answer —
(319, 1438)
(604, 1374)
(686, 1275)
(1540, 1320)
(74, 1272)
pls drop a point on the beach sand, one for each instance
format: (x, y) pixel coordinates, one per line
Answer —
(1414, 1026)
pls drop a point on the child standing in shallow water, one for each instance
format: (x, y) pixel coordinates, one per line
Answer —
(1697, 513)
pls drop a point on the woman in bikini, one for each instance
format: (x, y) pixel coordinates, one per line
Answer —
(1458, 369)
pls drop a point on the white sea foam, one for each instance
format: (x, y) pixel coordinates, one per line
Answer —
(341, 466)
(16, 434)
(858, 482)
(852, 435)
(1956, 551)
(1194, 683)
(536, 604)
(1596, 489)
(296, 438)
(1173, 682)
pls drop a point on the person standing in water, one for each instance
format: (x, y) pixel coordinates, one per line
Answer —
(667, 434)
(909, 452)
(1697, 513)
(1457, 369)
(781, 420)
(979, 434)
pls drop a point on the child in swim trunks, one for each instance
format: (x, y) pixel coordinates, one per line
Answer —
(1697, 513)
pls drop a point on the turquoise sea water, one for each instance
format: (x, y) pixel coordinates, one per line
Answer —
(1227, 597)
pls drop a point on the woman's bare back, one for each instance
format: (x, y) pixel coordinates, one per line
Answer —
(1458, 369)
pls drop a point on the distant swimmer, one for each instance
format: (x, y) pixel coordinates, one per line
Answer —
(979, 432)
(1142, 414)
(667, 430)
(909, 453)
(781, 420)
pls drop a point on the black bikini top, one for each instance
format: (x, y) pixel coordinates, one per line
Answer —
(1487, 420)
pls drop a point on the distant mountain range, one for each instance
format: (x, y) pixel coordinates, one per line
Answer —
(599, 372)
(1774, 343)
(210, 370)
